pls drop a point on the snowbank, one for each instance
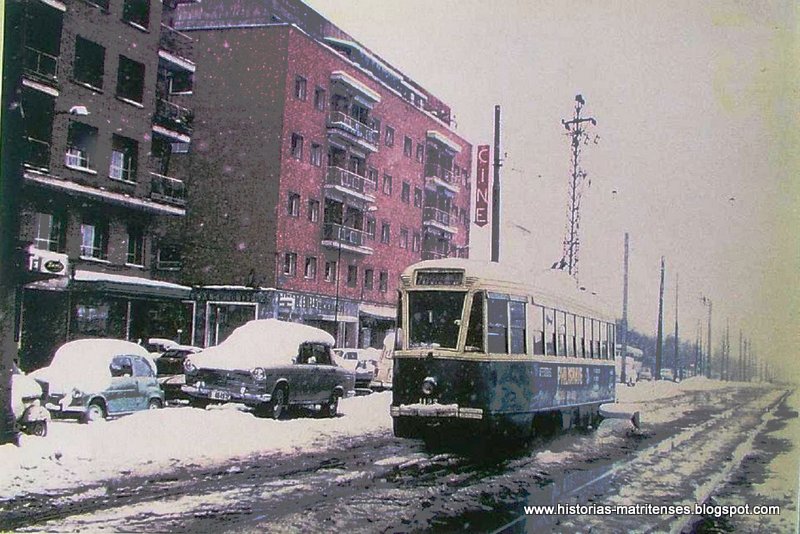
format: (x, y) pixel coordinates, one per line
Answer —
(260, 343)
(153, 441)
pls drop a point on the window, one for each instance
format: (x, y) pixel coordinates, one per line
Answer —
(403, 238)
(130, 80)
(415, 242)
(385, 232)
(124, 155)
(300, 88)
(297, 146)
(570, 335)
(135, 246)
(408, 146)
(49, 232)
(549, 331)
(561, 328)
(319, 98)
(120, 366)
(137, 12)
(313, 210)
(290, 264)
(169, 258)
(310, 271)
(370, 227)
(330, 271)
(81, 143)
(383, 281)
(389, 139)
(368, 276)
(405, 193)
(376, 127)
(181, 82)
(372, 177)
(387, 184)
(497, 333)
(580, 332)
(420, 152)
(417, 197)
(474, 341)
(352, 275)
(293, 206)
(316, 155)
(94, 240)
(538, 329)
(517, 325)
(89, 62)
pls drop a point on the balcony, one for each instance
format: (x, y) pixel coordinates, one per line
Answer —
(434, 254)
(354, 131)
(437, 175)
(167, 190)
(176, 44)
(438, 219)
(348, 183)
(337, 236)
(40, 65)
(173, 117)
(37, 153)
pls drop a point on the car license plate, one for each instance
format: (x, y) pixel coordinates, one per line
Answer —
(220, 395)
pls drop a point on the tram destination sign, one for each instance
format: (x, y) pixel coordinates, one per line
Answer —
(440, 278)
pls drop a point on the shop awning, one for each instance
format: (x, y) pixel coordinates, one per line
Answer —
(129, 285)
(388, 313)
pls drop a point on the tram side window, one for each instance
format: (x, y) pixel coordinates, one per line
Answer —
(398, 333)
(570, 335)
(596, 338)
(537, 322)
(581, 337)
(590, 338)
(474, 341)
(549, 331)
(561, 325)
(612, 340)
(604, 340)
(517, 323)
(497, 333)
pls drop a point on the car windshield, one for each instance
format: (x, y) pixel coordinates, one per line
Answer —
(434, 318)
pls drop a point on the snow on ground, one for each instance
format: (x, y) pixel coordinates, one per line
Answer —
(155, 441)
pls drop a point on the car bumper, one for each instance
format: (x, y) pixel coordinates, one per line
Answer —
(224, 395)
(453, 411)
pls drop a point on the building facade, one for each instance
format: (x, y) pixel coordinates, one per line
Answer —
(317, 173)
(103, 93)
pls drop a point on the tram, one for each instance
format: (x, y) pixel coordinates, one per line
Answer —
(490, 351)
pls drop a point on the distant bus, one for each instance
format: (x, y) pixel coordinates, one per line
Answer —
(488, 350)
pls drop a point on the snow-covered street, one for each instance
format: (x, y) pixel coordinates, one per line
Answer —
(224, 462)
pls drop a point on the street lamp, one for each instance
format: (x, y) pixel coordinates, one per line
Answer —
(341, 231)
(707, 367)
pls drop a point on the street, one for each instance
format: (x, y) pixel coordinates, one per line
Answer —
(702, 443)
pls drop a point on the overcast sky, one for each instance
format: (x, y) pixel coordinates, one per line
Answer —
(696, 106)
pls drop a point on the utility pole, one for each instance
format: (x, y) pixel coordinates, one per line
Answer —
(697, 351)
(577, 131)
(660, 336)
(677, 362)
(707, 301)
(496, 189)
(623, 375)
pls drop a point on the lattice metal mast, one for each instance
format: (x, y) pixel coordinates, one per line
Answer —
(579, 136)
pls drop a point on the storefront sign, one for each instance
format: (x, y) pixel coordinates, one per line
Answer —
(482, 187)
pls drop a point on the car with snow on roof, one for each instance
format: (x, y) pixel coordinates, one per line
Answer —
(363, 362)
(270, 365)
(170, 370)
(91, 379)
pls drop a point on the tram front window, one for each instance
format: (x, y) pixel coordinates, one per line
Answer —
(435, 317)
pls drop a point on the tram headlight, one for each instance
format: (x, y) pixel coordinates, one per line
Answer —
(428, 386)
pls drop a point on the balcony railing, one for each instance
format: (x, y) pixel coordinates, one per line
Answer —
(345, 235)
(430, 213)
(173, 116)
(37, 153)
(433, 254)
(176, 43)
(166, 189)
(437, 171)
(346, 179)
(41, 64)
(349, 124)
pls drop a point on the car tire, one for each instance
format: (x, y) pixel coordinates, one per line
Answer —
(277, 406)
(331, 408)
(94, 412)
(154, 404)
(200, 404)
(38, 428)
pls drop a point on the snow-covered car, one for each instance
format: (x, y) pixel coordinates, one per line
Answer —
(645, 374)
(158, 345)
(668, 374)
(363, 362)
(270, 365)
(92, 379)
(170, 370)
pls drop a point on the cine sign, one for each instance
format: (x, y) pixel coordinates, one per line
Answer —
(482, 187)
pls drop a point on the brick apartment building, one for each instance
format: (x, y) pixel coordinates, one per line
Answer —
(100, 88)
(317, 172)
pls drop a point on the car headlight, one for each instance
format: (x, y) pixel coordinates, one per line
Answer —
(76, 393)
(188, 366)
(428, 385)
(258, 374)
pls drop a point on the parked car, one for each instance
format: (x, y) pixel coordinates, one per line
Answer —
(645, 374)
(93, 379)
(270, 365)
(158, 345)
(363, 362)
(170, 370)
(668, 374)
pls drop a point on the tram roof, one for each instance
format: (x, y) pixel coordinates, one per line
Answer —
(550, 287)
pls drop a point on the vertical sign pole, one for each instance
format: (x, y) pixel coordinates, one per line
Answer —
(496, 189)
